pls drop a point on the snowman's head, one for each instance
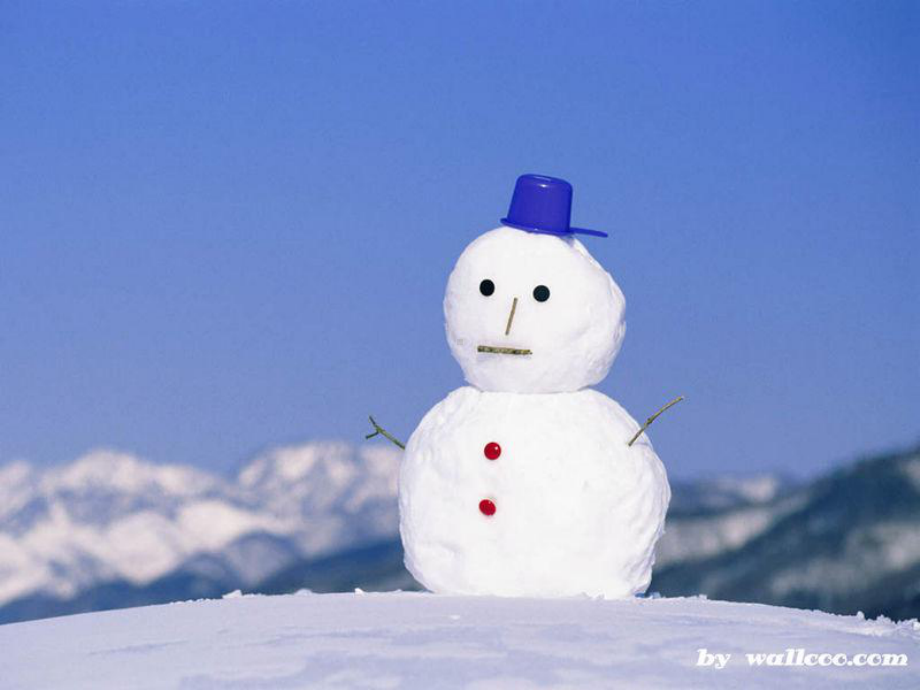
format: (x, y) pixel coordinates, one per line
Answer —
(532, 313)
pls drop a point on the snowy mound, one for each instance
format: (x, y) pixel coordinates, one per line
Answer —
(429, 641)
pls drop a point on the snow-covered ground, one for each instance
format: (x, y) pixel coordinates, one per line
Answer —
(417, 640)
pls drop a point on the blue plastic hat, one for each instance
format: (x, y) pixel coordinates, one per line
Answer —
(543, 204)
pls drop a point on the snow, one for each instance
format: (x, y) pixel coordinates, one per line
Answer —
(578, 511)
(574, 335)
(15, 477)
(728, 489)
(406, 640)
(912, 472)
(106, 469)
(868, 553)
(697, 537)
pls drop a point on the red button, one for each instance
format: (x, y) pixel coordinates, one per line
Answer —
(492, 450)
(486, 507)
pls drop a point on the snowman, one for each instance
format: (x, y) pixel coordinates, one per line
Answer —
(527, 482)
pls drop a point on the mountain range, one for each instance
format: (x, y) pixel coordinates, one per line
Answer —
(846, 542)
(111, 530)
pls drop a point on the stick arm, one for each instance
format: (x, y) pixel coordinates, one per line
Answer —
(651, 419)
(380, 431)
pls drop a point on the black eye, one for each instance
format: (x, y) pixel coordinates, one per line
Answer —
(487, 287)
(541, 293)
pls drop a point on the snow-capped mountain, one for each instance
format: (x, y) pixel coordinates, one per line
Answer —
(722, 492)
(848, 542)
(111, 517)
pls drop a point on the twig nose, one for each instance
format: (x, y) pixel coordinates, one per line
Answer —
(511, 316)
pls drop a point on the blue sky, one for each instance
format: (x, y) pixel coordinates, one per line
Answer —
(229, 225)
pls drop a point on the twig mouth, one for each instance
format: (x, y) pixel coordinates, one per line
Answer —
(503, 350)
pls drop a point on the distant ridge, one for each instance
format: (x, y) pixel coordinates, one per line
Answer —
(847, 542)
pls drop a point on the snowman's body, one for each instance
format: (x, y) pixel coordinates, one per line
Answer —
(577, 511)
(523, 484)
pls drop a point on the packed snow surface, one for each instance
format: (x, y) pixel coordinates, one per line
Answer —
(573, 335)
(576, 510)
(404, 640)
